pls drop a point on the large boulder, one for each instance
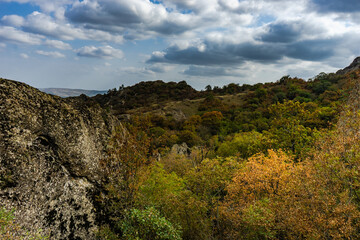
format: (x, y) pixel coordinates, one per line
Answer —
(50, 153)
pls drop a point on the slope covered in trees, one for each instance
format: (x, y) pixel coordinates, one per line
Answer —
(269, 161)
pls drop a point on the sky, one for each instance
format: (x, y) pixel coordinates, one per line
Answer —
(103, 44)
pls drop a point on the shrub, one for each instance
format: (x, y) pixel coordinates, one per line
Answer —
(148, 224)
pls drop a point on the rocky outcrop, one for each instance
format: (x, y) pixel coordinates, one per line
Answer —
(50, 150)
(355, 65)
(181, 149)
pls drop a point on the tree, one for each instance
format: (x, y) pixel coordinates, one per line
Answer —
(168, 193)
(148, 224)
(212, 120)
(128, 153)
(248, 211)
(244, 145)
(289, 130)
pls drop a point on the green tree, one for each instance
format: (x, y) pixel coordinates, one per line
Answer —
(168, 193)
(148, 224)
(244, 145)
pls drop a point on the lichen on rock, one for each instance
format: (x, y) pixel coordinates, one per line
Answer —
(50, 152)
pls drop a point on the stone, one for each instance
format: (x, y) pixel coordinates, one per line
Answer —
(355, 65)
(50, 153)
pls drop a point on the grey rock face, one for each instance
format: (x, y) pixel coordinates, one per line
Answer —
(182, 149)
(353, 66)
(50, 151)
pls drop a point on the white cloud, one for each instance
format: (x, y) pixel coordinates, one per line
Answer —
(24, 55)
(50, 54)
(12, 20)
(45, 5)
(40, 23)
(107, 52)
(13, 35)
(140, 71)
(58, 44)
(43, 24)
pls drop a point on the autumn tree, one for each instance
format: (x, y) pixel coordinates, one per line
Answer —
(248, 211)
(127, 154)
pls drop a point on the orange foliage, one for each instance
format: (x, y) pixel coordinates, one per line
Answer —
(273, 198)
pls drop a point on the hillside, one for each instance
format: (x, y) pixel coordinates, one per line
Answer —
(170, 109)
(266, 161)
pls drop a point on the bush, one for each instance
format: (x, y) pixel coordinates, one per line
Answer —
(148, 224)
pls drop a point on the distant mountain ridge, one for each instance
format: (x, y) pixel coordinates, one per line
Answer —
(68, 92)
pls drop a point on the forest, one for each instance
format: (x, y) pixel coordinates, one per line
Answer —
(266, 161)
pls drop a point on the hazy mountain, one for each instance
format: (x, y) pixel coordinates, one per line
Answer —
(68, 92)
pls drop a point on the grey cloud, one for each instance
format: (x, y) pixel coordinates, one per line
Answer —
(156, 68)
(281, 32)
(128, 17)
(193, 55)
(104, 12)
(258, 52)
(168, 28)
(347, 6)
(235, 54)
(211, 71)
(100, 52)
(42, 24)
(313, 50)
(219, 54)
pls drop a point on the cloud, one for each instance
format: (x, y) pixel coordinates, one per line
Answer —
(212, 71)
(281, 32)
(58, 44)
(137, 71)
(218, 54)
(50, 54)
(100, 52)
(313, 50)
(159, 68)
(130, 17)
(12, 20)
(45, 5)
(24, 55)
(43, 24)
(221, 53)
(346, 6)
(12, 35)
(40, 23)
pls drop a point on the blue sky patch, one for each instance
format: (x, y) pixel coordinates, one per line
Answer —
(13, 8)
